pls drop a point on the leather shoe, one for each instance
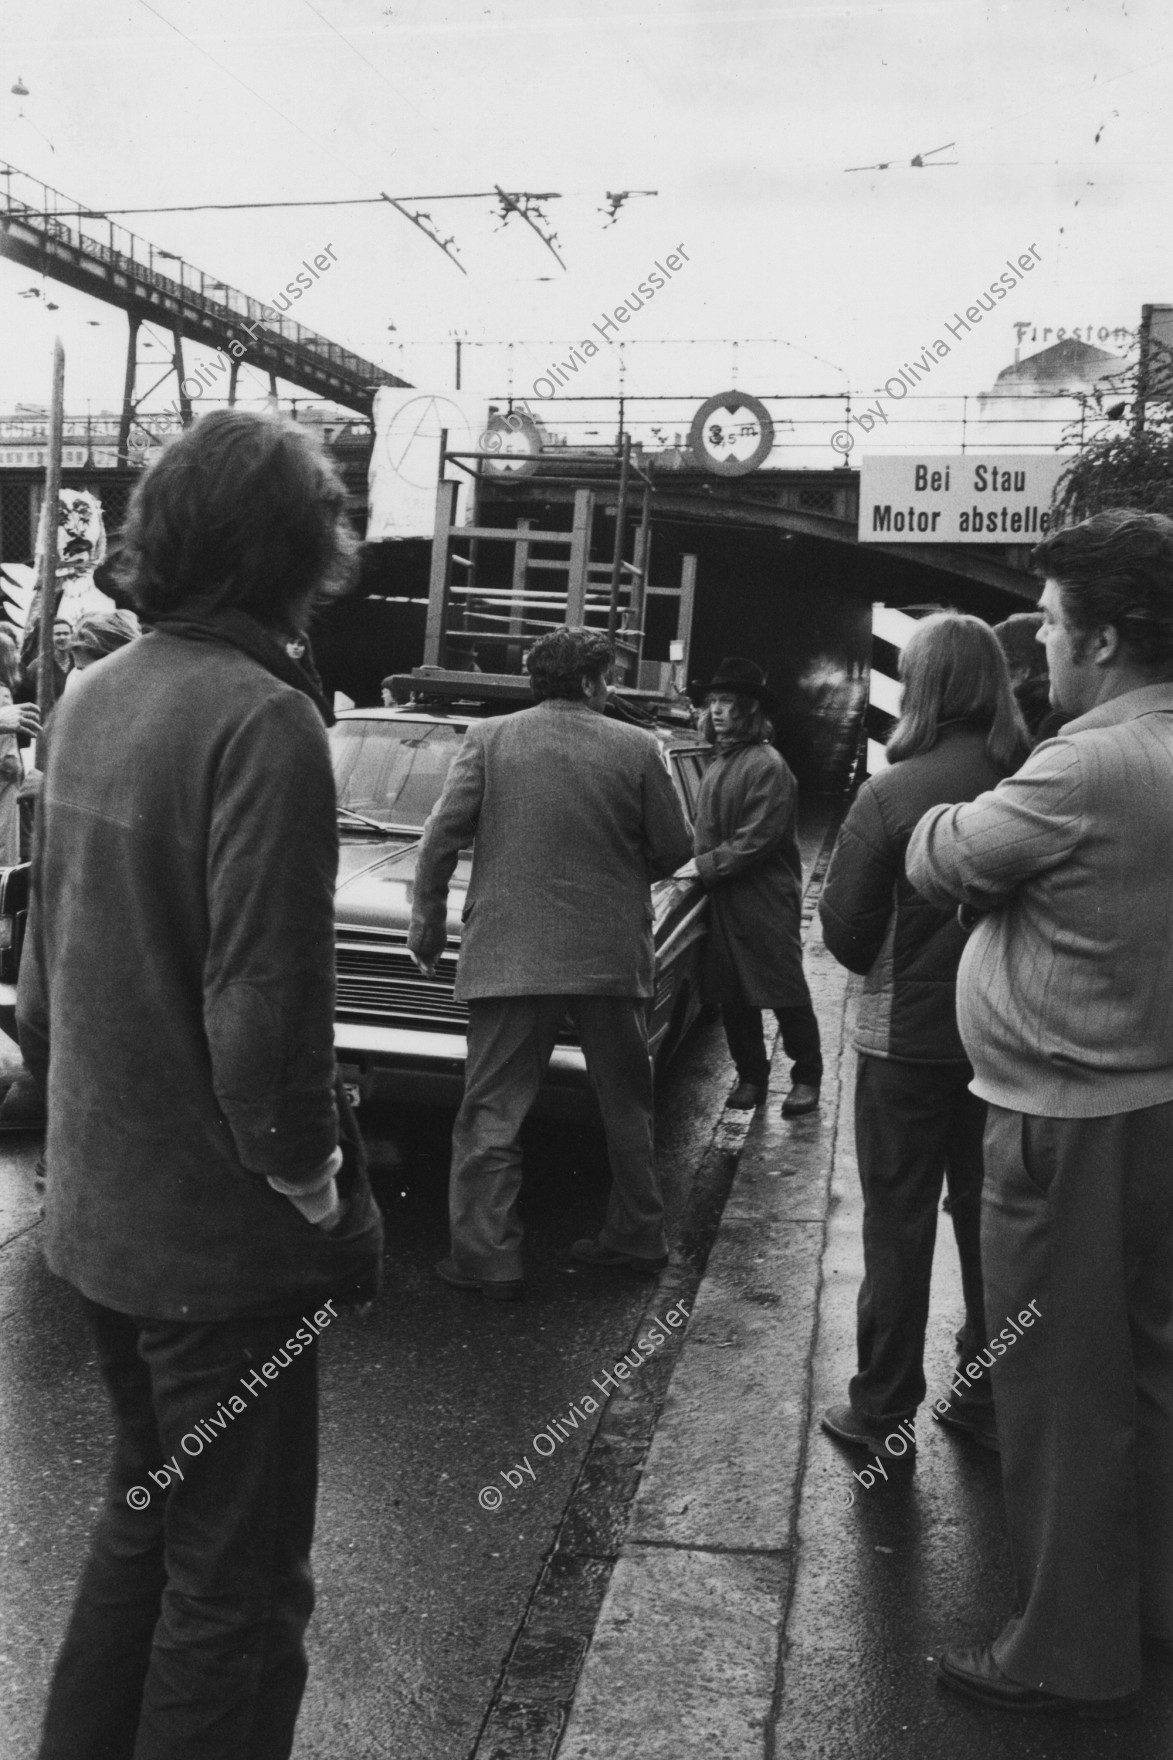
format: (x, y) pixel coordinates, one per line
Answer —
(975, 1674)
(803, 1097)
(498, 1289)
(973, 1418)
(591, 1252)
(845, 1425)
(746, 1097)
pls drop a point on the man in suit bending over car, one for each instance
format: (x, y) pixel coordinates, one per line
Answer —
(570, 817)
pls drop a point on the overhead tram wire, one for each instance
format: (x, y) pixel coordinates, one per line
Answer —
(476, 195)
(378, 72)
(252, 92)
(517, 201)
(421, 221)
(418, 221)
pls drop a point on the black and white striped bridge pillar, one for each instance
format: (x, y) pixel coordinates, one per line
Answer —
(890, 631)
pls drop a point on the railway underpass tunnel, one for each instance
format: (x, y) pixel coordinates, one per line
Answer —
(799, 604)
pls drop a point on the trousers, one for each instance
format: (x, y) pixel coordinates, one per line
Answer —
(798, 1030)
(510, 1039)
(915, 1124)
(186, 1636)
(1078, 1217)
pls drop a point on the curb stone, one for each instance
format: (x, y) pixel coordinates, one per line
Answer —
(585, 1578)
(684, 1659)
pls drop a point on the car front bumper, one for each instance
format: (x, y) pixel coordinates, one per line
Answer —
(427, 1068)
(399, 1047)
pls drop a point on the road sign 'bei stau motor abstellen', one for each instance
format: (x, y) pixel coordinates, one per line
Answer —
(975, 498)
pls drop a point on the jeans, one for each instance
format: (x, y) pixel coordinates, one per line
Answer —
(797, 1028)
(914, 1122)
(186, 1637)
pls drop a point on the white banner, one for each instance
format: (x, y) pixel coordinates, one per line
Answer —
(975, 498)
(405, 463)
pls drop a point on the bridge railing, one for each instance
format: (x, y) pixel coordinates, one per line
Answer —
(46, 210)
(819, 430)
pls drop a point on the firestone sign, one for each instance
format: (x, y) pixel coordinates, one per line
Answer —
(975, 498)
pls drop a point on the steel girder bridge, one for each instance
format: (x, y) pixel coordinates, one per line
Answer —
(54, 235)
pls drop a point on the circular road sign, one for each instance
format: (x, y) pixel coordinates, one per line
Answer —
(515, 443)
(731, 434)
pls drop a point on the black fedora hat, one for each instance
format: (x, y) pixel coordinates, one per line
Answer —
(743, 676)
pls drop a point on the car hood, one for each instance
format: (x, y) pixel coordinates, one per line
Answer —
(376, 883)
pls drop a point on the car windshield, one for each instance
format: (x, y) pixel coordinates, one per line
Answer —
(391, 771)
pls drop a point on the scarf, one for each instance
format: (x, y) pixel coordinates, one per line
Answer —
(198, 623)
(733, 742)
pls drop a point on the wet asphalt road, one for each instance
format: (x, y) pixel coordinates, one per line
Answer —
(425, 1401)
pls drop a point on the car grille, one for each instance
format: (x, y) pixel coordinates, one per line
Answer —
(378, 980)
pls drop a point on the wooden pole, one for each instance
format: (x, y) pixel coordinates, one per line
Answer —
(440, 579)
(51, 516)
(580, 555)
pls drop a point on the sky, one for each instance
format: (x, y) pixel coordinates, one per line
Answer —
(798, 275)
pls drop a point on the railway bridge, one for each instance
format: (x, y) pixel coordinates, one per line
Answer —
(54, 235)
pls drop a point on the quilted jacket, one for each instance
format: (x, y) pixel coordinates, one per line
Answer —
(876, 923)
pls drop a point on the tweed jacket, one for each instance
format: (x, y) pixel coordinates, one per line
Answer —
(570, 817)
(1065, 990)
(177, 987)
(876, 923)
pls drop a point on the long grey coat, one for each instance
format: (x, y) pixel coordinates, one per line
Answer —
(747, 856)
(570, 817)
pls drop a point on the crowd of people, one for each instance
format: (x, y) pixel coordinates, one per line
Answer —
(1008, 908)
(1012, 915)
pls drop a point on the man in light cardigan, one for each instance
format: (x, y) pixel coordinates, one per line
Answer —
(1065, 1005)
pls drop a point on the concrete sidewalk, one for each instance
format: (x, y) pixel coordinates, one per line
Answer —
(685, 1656)
(764, 1601)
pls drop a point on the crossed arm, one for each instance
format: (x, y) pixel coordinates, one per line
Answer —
(981, 852)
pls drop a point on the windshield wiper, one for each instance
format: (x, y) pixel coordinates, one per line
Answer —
(383, 828)
(361, 819)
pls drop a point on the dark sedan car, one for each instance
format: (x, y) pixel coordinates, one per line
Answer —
(390, 765)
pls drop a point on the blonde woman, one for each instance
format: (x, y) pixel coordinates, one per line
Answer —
(916, 1122)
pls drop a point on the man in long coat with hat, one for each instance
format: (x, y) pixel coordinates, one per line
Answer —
(747, 858)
